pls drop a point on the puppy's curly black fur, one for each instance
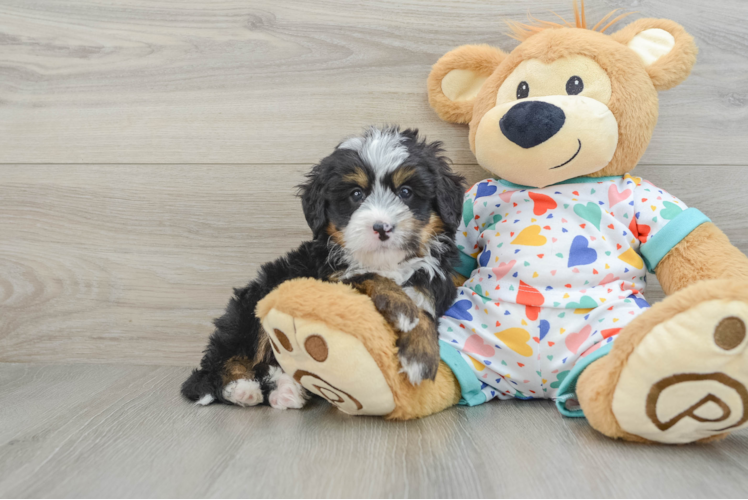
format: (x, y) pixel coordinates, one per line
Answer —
(383, 209)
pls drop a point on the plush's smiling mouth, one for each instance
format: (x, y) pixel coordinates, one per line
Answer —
(570, 159)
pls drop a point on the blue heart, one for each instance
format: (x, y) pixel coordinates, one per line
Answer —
(643, 304)
(484, 258)
(485, 189)
(544, 328)
(460, 310)
(580, 254)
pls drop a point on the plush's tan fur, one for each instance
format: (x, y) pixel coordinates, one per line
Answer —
(342, 308)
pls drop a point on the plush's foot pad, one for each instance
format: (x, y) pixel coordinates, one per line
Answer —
(329, 363)
(687, 380)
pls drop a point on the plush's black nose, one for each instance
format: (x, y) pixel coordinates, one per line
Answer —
(383, 229)
(531, 123)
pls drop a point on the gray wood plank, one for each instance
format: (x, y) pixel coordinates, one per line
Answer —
(230, 81)
(130, 264)
(123, 431)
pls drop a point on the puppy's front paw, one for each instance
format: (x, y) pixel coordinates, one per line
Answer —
(398, 309)
(287, 393)
(243, 392)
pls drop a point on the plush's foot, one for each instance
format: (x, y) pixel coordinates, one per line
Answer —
(678, 373)
(331, 340)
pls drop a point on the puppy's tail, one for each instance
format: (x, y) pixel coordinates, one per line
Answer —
(199, 388)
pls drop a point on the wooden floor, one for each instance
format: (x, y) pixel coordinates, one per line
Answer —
(149, 151)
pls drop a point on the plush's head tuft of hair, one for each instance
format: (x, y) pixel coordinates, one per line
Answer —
(523, 31)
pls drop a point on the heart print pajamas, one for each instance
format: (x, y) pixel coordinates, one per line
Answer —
(554, 274)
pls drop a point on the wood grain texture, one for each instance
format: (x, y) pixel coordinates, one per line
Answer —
(231, 81)
(129, 264)
(123, 431)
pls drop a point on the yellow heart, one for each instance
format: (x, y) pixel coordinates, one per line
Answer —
(477, 364)
(533, 220)
(615, 320)
(535, 274)
(654, 207)
(562, 331)
(524, 323)
(602, 299)
(566, 295)
(544, 381)
(607, 266)
(530, 236)
(516, 340)
(631, 257)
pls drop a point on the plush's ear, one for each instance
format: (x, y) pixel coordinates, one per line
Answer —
(666, 49)
(457, 77)
(313, 201)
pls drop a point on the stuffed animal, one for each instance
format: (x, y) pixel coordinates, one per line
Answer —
(555, 250)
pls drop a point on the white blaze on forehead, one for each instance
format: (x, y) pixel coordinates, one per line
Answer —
(381, 149)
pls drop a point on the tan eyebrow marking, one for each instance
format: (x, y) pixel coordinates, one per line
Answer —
(359, 177)
(402, 175)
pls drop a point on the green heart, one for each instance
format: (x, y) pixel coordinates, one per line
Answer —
(511, 288)
(467, 211)
(566, 205)
(592, 192)
(560, 255)
(607, 253)
(562, 315)
(586, 302)
(591, 213)
(536, 371)
(485, 327)
(556, 304)
(561, 376)
(503, 363)
(479, 290)
(527, 263)
(671, 210)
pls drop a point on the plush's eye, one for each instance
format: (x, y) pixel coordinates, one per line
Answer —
(523, 90)
(357, 195)
(574, 86)
(405, 192)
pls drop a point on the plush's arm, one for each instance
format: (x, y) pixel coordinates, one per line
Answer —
(704, 254)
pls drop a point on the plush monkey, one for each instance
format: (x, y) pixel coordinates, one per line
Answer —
(555, 250)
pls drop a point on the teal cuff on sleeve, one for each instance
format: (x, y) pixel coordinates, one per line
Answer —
(467, 265)
(568, 388)
(469, 384)
(658, 246)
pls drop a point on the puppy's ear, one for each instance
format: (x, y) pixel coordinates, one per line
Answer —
(450, 192)
(666, 49)
(456, 79)
(313, 201)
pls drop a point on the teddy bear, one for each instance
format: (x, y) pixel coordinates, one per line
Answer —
(554, 253)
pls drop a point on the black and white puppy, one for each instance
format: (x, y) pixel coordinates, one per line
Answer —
(383, 209)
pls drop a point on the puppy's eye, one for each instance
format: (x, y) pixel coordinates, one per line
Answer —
(405, 192)
(574, 86)
(523, 90)
(357, 195)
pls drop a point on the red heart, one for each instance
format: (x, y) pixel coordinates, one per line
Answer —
(551, 344)
(594, 271)
(611, 226)
(567, 286)
(477, 216)
(547, 228)
(536, 339)
(543, 203)
(540, 255)
(618, 246)
(575, 193)
(498, 324)
(610, 332)
(582, 225)
(521, 365)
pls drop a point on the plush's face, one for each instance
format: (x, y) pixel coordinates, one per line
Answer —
(567, 102)
(383, 197)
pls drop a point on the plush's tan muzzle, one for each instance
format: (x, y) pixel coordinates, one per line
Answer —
(542, 141)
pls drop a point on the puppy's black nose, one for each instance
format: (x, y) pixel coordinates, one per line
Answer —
(383, 229)
(531, 123)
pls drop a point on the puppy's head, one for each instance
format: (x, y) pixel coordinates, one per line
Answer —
(383, 196)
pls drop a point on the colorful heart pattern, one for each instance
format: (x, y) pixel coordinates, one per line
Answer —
(560, 274)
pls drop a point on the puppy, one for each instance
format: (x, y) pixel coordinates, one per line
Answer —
(383, 209)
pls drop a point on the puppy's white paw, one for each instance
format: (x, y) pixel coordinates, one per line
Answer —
(205, 400)
(243, 392)
(287, 394)
(413, 369)
(406, 324)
